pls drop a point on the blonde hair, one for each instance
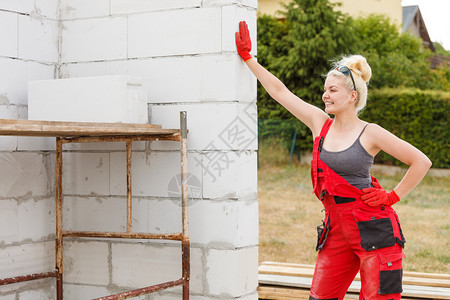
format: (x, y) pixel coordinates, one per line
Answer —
(361, 72)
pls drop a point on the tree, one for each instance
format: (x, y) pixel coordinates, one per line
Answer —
(397, 59)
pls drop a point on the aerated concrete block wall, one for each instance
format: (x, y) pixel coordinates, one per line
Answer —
(185, 52)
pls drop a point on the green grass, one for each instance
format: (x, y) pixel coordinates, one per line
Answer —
(289, 214)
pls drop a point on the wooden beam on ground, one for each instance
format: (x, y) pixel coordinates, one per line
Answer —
(284, 278)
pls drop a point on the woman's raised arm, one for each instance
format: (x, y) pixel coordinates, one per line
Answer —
(310, 115)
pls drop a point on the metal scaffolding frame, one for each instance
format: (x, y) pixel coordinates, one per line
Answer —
(77, 132)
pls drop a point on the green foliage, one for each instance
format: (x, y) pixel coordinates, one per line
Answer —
(440, 50)
(417, 116)
(396, 59)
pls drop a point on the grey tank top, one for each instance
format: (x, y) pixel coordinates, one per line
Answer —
(353, 163)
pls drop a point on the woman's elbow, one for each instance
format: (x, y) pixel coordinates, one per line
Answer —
(425, 162)
(428, 163)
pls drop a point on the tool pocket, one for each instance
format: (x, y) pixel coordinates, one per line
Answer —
(391, 273)
(375, 228)
(322, 233)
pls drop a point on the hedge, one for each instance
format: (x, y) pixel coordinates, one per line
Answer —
(416, 116)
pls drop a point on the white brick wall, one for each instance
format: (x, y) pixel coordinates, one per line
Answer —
(23, 174)
(38, 39)
(227, 271)
(138, 6)
(27, 259)
(8, 32)
(185, 52)
(94, 39)
(196, 31)
(86, 262)
(29, 51)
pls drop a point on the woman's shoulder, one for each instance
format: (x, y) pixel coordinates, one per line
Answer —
(373, 128)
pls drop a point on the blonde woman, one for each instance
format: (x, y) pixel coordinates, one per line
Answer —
(361, 231)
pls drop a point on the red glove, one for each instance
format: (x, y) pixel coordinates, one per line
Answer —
(376, 197)
(243, 42)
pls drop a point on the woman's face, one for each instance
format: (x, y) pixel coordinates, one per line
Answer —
(336, 96)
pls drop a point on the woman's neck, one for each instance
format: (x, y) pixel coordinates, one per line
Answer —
(346, 120)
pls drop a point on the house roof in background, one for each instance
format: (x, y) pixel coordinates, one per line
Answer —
(409, 12)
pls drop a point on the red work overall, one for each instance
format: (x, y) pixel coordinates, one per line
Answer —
(353, 237)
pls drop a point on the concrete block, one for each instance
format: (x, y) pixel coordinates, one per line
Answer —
(92, 39)
(8, 34)
(103, 214)
(47, 8)
(229, 175)
(38, 39)
(153, 174)
(86, 173)
(24, 6)
(231, 16)
(9, 111)
(249, 3)
(189, 31)
(14, 79)
(232, 273)
(226, 78)
(157, 73)
(162, 82)
(212, 126)
(142, 265)
(86, 263)
(23, 174)
(88, 99)
(36, 143)
(224, 224)
(252, 296)
(248, 222)
(138, 6)
(43, 293)
(8, 143)
(27, 259)
(107, 146)
(77, 9)
(8, 297)
(86, 69)
(75, 291)
(164, 217)
(9, 222)
(36, 219)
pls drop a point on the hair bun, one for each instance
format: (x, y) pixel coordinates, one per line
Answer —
(358, 64)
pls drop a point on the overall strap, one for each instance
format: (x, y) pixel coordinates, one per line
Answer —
(324, 132)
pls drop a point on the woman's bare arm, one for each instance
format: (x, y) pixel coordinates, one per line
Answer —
(310, 115)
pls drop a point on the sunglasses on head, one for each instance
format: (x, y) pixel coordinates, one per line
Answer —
(346, 71)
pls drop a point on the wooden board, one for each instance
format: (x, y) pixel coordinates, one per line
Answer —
(77, 129)
(301, 270)
(285, 278)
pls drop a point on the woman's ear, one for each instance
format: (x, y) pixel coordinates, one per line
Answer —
(354, 96)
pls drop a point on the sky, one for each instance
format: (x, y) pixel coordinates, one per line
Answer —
(436, 14)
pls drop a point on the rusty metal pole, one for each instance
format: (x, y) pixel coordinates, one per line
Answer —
(129, 200)
(59, 237)
(185, 247)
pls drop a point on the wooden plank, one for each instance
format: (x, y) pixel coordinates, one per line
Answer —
(76, 129)
(299, 270)
(66, 123)
(427, 292)
(281, 293)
